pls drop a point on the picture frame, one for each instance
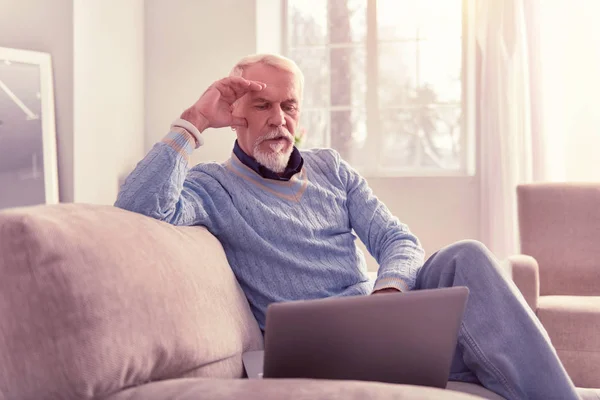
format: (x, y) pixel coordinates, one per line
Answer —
(28, 157)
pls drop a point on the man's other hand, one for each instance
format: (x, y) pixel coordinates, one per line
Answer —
(213, 108)
(386, 290)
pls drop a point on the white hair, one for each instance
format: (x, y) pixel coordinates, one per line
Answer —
(274, 60)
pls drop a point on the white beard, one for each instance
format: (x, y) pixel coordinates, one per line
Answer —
(277, 159)
(276, 162)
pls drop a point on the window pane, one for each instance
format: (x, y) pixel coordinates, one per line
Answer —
(314, 64)
(397, 73)
(421, 137)
(420, 72)
(315, 124)
(419, 80)
(397, 19)
(440, 64)
(347, 20)
(348, 76)
(407, 19)
(441, 19)
(307, 22)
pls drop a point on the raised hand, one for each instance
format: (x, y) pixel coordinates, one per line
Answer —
(213, 108)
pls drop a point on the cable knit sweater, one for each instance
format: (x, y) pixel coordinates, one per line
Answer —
(284, 240)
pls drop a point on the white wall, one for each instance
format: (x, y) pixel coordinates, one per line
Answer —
(571, 57)
(581, 61)
(189, 45)
(182, 62)
(439, 210)
(47, 26)
(108, 95)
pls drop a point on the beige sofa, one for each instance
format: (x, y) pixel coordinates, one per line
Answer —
(97, 302)
(559, 271)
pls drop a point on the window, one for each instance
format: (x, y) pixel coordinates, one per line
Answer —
(387, 82)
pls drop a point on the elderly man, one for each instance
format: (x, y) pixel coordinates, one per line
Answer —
(286, 219)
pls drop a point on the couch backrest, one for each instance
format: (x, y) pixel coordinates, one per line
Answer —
(94, 299)
(560, 227)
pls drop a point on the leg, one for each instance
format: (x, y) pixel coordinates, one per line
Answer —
(500, 341)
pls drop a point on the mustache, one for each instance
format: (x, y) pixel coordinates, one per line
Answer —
(275, 134)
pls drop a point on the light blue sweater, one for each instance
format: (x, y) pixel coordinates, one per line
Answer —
(284, 240)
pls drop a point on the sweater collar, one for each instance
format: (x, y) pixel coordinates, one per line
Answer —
(294, 165)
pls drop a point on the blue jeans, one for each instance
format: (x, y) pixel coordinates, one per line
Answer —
(501, 343)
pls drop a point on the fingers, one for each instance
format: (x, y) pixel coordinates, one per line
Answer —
(234, 87)
(246, 84)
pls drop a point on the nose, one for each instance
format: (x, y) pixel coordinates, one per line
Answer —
(277, 117)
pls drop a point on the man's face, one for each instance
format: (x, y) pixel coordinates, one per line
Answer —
(272, 116)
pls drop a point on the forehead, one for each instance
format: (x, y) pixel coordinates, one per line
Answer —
(281, 85)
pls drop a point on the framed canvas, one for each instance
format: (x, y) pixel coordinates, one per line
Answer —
(28, 160)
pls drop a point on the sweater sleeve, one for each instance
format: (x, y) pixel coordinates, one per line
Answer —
(162, 186)
(396, 249)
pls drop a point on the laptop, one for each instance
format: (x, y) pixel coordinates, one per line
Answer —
(406, 338)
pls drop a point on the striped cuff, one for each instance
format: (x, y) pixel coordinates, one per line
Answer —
(181, 141)
(191, 129)
(390, 283)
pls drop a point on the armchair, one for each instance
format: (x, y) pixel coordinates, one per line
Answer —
(558, 271)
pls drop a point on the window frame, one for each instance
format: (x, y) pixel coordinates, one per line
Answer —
(373, 109)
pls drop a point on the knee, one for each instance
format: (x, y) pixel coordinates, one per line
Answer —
(469, 254)
(461, 262)
(467, 249)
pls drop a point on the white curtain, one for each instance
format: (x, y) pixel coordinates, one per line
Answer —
(537, 104)
(569, 48)
(504, 116)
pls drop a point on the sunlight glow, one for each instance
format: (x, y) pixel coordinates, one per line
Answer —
(431, 19)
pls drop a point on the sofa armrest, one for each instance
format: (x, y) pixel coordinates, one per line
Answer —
(525, 274)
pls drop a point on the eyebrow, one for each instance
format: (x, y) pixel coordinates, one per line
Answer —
(263, 100)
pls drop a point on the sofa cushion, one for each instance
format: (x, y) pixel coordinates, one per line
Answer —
(573, 323)
(95, 298)
(306, 389)
(277, 389)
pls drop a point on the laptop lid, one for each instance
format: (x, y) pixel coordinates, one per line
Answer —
(407, 338)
